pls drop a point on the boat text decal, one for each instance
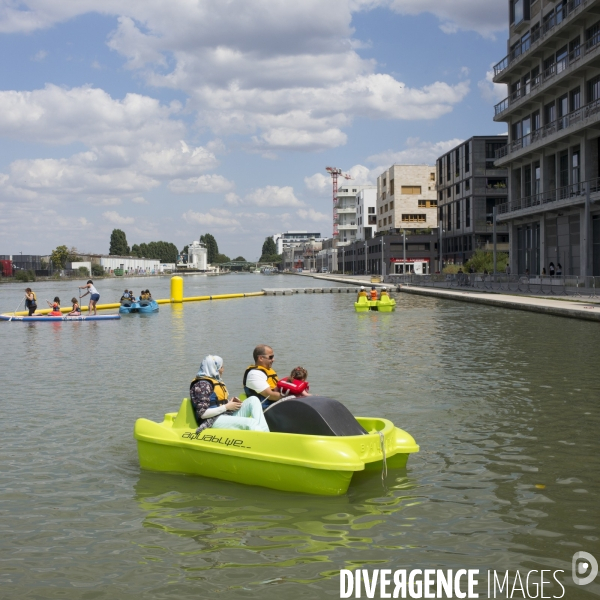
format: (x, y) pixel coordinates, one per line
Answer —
(215, 439)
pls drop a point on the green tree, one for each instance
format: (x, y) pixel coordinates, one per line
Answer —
(484, 260)
(118, 243)
(269, 248)
(59, 256)
(212, 248)
(97, 270)
(135, 251)
(220, 258)
(240, 258)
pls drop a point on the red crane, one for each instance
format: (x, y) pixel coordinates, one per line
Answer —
(334, 172)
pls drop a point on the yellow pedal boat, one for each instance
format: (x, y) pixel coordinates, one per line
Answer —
(322, 461)
(387, 304)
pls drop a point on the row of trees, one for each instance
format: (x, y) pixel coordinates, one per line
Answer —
(269, 252)
(166, 252)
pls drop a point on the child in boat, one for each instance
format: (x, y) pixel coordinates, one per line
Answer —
(76, 310)
(126, 297)
(296, 384)
(55, 306)
(373, 293)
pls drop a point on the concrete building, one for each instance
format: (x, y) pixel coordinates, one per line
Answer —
(197, 256)
(366, 214)
(552, 109)
(469, 185)
(385, 255)
(346, 216)
(292, 238)
(406, 198)
(128, 264)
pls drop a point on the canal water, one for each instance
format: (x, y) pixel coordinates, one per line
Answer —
(504, 405)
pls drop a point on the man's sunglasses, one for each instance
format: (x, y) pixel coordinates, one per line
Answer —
(270, 356)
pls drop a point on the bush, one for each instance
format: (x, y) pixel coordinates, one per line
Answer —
(83, 271)
(97, 270)
(22, 276)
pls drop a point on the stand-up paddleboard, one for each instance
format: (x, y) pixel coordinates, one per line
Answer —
(43, 319)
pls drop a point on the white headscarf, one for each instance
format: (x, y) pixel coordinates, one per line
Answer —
(210, 367)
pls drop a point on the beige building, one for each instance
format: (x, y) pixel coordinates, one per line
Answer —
(406, 198)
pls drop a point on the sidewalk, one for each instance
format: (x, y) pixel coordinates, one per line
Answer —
(586, 310)
(580, 308)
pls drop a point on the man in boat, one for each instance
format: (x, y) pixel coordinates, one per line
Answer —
(260, 379)
(384, 294)
(361, 293)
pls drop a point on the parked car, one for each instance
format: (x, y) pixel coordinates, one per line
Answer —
(324, 270)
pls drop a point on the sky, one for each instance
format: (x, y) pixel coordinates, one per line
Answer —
(173, 119)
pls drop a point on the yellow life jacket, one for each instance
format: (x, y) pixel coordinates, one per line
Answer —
(271, 378)
(220, 393)
(34, 296)
(384, 294)
(362, 294)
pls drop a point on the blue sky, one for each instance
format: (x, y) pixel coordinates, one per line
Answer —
(170, 120)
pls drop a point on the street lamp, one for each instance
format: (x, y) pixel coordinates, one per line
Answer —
(404, 250)
(366, 257)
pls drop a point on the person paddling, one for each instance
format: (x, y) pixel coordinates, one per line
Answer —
(30, 301)
(94, 295)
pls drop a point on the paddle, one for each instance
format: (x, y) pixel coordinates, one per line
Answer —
(16, 309)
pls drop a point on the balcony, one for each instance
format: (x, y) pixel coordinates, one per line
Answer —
(574, 58)
(552, 199)
(347, 226)
(346, 211)
(568, 122)
(547, 28)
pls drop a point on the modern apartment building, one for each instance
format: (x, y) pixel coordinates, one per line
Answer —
(469, 185)
(552, 108)
(346, 212)
(366, 213)
(293, 238)
(406, 198)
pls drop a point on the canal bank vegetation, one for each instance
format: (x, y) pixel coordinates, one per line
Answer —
(482, 261)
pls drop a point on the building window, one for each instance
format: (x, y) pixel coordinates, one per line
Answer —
(391, 187)
(457, 190)
(467, 158)
(448, 171)
(441, 196)
(468, 184)
(379, 222)
(431, 176)
(550, 113)
(468, 212)
(594, 89)
(412, 190)
(371, 210)
(384, 182)
(427, 203)
(372, 220)
(449, 192)
(385, 208)
(458, 215)
(414, 218)
(381, 210)
(496, 183)
(392, 205)
(383, 196)
(575, 99)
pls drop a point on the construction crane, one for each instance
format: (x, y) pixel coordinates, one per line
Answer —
(334, 172)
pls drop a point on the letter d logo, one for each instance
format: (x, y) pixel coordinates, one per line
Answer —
(584, 564)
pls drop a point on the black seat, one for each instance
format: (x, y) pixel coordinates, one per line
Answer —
(312, 415)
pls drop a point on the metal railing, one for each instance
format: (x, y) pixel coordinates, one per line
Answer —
(549, 73)
(564, 122)
(537, 34)
(568, 192)
(542, 285)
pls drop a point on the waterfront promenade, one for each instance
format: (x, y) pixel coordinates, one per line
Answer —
(566, 306)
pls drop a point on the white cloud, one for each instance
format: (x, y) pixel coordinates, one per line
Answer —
(486, 17)
(318, 183)
(205, 184)
(40, 56)
(417, 152)
(213, 218)
(312, 215)
(139, 200)
(492, 92)
(105, 201)
(272, 196)
(133, 144)
(286, 74)
(116, 219)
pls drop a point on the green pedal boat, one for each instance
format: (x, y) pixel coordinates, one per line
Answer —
(314, 446)
(386, 304)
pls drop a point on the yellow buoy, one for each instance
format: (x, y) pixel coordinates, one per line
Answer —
(176, 289)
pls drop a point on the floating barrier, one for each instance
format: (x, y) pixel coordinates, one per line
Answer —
(176, 298)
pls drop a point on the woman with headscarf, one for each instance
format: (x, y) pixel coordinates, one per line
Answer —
(212, 405)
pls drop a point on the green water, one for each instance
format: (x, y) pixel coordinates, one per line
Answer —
(504, 405)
